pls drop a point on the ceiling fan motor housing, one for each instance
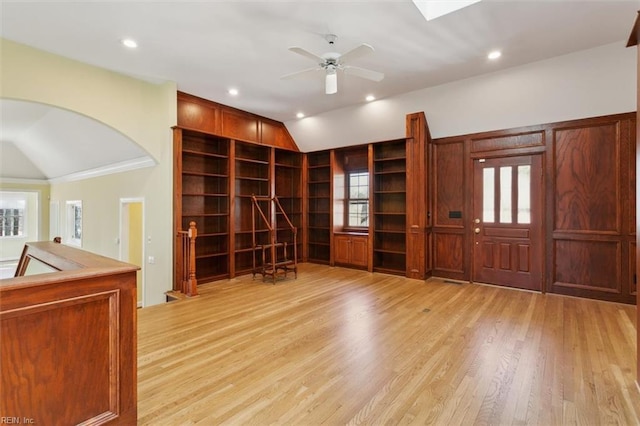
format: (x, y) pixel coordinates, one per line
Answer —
(331, 62)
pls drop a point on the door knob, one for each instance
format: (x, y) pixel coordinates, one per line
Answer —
(476, 220)
(476, 230)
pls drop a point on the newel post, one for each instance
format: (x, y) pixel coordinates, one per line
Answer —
(192, 283)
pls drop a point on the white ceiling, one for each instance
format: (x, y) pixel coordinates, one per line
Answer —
(208, 47)
(44, 142)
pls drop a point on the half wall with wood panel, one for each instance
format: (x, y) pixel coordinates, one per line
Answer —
(68, 347)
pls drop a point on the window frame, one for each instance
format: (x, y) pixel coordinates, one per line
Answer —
(16, 197)
(71, 221)
(348, 200)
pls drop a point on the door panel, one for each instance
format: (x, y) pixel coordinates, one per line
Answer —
(359, 251)
(507, 242)
(341, 250)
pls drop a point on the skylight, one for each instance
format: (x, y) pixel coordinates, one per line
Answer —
(432, 9)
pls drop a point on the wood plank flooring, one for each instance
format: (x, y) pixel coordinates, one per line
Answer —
(341, 346)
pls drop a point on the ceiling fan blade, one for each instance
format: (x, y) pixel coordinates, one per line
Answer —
(363, 73)
(357, 52)
(307, 54)
(303, 73)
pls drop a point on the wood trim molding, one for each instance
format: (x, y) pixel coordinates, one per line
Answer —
(634, 37)
(206, 116)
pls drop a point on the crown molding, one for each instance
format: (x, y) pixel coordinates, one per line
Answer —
(24, 181)
(124, 166)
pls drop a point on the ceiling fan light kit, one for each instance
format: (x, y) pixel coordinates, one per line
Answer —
(332, 62)
(331, 82)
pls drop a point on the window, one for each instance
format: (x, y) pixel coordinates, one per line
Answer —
(521, 205)
(13, 206)
(74, 223)
(358, 200)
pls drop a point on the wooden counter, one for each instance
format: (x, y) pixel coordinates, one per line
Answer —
(68, 339)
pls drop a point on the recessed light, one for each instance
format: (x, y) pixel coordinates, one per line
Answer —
(130, 43)
(494, 55)
(370, 98)
(233, 92)
(300, 115)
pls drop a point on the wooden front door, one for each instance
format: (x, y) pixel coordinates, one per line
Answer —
(507, 222)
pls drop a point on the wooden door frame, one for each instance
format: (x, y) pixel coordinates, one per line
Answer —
(544, 208)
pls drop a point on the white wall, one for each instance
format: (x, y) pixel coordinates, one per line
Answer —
(11, 247)
(583, 84)
(143, 111)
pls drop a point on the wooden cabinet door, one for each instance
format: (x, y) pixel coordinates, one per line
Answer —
(342, 248)
(359, 251)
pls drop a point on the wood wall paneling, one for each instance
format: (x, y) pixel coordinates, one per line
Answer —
(589, 181)
(633, 276)
(199, 114)
(587, 178)
(450, 200)
(634, 37)
(510, 141)
(631, 167)
(276, 134)
(239, 126)
(418, 200)
(588, 265)
(450, 190)
(593, 183)
(84, 371)
(448, 249)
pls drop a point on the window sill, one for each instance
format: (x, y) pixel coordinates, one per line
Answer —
(352, 232)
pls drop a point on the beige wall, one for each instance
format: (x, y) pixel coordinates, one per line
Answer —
(144, 112)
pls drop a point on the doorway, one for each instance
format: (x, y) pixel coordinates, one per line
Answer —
(507, 224)
(132, 239)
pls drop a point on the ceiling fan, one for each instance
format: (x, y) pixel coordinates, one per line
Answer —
(332, 62)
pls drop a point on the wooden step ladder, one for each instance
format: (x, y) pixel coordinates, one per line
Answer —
(276, 258)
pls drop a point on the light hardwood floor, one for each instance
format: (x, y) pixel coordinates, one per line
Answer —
(340, 346)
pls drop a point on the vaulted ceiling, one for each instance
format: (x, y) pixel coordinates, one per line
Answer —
(208, 47)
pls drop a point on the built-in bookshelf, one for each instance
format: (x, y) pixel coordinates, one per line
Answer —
(389, 207)
(288, 189)
(204, 197)
(319, 206)
(252, 177)
(222, 157)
